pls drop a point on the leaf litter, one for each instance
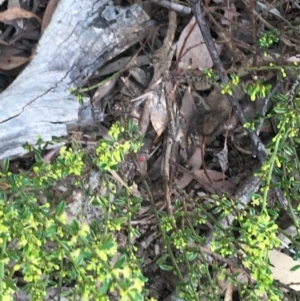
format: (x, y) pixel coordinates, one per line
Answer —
(191, 54)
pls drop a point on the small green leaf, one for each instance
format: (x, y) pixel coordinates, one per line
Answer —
(217, 210)
(167, 268)
(75, 226)
(5, 164)
(192, 256)
(120, 262)
(51, 231)
(295, 268)
(162, 259)
(120, 220)
(60, 207)
(79, 260)
(107, 245)
(13, 256)
(273, 213)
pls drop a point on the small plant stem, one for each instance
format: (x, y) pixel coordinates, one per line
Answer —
(108, 205)
(105, 264)
(271, 168)
(129, 221)
(187, 263)
(204, 261)
(101, 83)
(59, 286)
(295, 152)
(3, 251)
(162, 231)
(243, 71)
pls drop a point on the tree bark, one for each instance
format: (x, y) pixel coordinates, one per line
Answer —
(80, 38)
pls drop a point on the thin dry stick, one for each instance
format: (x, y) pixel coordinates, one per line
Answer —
(165, 57)
(172, 130)
(258, 145)
(164, 63)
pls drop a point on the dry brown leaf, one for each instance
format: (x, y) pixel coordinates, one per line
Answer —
(223, 158)
(50, 9)
(281, 265)
(294, 59)
(229, 293)
(195, 54)
(159, 116)
(17, 13)
(12, 62)
(103, 90)
(188, 108)
(118, 178)
(218, 180)
(229, 15)
(285, 241)
(196, 162)
(281, 270)
(188, 111)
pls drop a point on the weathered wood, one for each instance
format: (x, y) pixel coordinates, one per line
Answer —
(81, 37)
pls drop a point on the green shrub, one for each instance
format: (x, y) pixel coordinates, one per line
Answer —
(47, 249)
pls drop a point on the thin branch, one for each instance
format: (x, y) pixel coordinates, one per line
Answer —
(261, 151)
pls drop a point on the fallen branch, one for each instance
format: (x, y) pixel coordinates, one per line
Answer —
(81, 37)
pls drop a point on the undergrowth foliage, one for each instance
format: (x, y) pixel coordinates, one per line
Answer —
(254, 231)
(40, 243)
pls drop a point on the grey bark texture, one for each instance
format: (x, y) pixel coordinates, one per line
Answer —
(82, 36)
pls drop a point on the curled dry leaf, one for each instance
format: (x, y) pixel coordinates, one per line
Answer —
(188, 107)
(223, 158)
(285, 241)
(196, 162)
(191, 48)
(17, 13)
(50, 9)
(281, 269)
(218, 180)
(229, 15)
(12, 62)
(187, 113)
(294, 59)
(159, 115)
(103, 90)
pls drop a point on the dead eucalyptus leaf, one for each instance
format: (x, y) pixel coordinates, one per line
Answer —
(196, 162)
(195, 54)
(218, 179)
(17, 13)
(159, 115)
(281, 269)
(223, 158)
(12, 62)
(188, 107)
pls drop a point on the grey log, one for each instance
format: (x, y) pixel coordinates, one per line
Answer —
(81, 37)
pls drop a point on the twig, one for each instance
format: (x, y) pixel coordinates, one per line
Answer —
(169, 146)
(258, 145)
(218, 190)
(182, 9)
(164, 62)
(265, 107)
